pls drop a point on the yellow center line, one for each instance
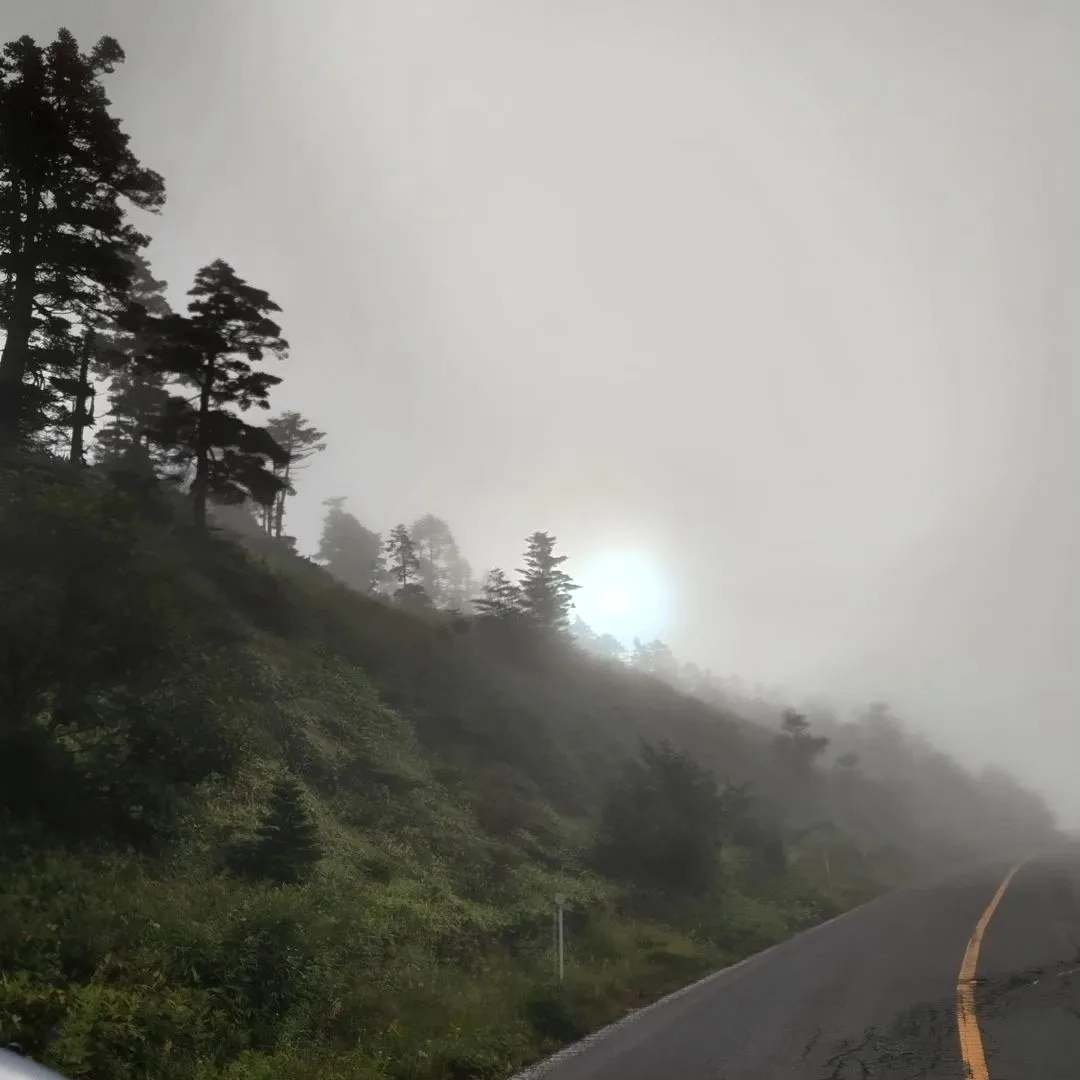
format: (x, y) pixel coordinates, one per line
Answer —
(971, 1044)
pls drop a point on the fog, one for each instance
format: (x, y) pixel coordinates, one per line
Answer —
(775, 293)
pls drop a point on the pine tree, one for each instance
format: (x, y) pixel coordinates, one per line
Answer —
(546, 588)
(603, 646)
(66, 171)
(583, 634)
(403, 568)
(71, 393)
(300, 440)
(138, 393)
(286, 846)
(214, 349)
(347, 549)
(656, 659)
(444, 574)
(501, 598)
(402, 561)
(661, 827)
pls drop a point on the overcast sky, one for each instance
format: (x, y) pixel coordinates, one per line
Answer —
(780, 294)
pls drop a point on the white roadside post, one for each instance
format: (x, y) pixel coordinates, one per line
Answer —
(560, 901)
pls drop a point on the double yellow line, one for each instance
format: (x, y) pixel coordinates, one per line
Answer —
(971, 1044)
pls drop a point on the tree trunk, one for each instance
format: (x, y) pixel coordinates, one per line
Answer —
(279, 504)
(19, 318)
(14, 359)
(80, 419)
(201, 485)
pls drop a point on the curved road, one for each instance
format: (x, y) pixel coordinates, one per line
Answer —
(881, 992)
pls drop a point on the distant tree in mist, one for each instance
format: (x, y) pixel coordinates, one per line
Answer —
(138, 392)
(444, 573)
(656, 659)
(604, 646)
(540, 598)
(300, 440)
(546, 589)
(214, 350)
(797, 747)
(500, 597)
(402, 561)
(609, 647)
(402, 567)
(349, 550)
(66, 173)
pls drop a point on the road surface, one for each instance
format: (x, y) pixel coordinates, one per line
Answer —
(884, 991)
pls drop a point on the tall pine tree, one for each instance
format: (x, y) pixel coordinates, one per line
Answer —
(138, 393)
(403, 568)
(300, 440)
(546, 589)
(66, 173)
(444, 574)
(501, 598)
(214, 350)
(65, 399)
(286, 846)
(402, 562)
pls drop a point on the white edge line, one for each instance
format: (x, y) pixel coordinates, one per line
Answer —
(543, 1067)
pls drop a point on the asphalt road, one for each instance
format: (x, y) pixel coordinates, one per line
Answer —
(874, 994)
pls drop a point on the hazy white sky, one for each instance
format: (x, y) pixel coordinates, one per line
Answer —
(776, 292)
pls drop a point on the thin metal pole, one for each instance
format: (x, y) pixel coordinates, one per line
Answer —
(555, 936)
(561, 967)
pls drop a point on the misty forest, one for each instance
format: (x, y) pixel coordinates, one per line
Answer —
(273, 813)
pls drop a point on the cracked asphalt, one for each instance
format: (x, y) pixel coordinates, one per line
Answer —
(873, 994)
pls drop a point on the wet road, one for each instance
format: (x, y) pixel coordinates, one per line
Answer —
(874, 994)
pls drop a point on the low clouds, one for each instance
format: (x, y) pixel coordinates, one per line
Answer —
(779, 290)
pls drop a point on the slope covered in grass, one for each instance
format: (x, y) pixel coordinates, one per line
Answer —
(164, 690)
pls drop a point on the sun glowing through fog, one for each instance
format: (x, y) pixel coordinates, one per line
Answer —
(622, 593)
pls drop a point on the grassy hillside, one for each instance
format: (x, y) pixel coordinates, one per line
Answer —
(435, 782)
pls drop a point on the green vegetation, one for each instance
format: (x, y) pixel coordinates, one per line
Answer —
(263, 818)
(257, 824)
